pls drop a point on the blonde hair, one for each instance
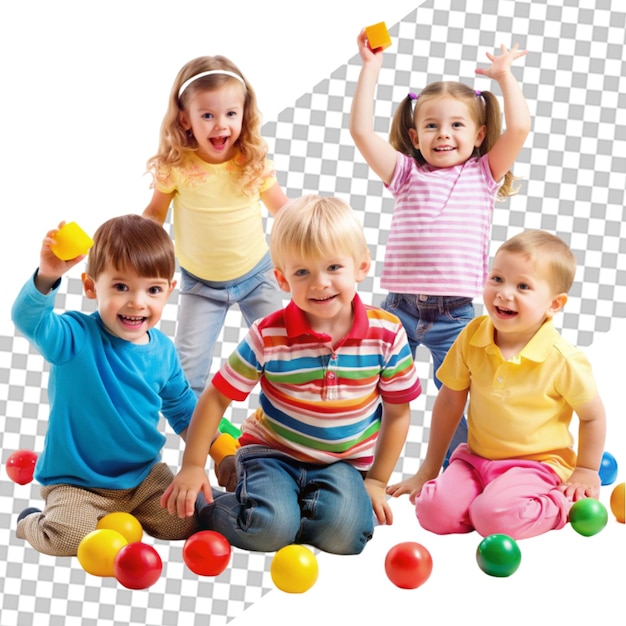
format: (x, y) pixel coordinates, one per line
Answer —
(314, 227)
(548, 254)
(483, 107)
(132, 242)
(176, 144)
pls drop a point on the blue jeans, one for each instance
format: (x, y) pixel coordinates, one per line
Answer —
(279, 501)
(203, 308)
(435, 322)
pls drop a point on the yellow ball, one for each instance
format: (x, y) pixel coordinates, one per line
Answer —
(294, 569)
(617, 502)
(98, 549)
(126, 525)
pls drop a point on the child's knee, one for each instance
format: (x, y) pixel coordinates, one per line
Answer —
(438, 511)
(520, 518)
(56, 538)
(345, 542)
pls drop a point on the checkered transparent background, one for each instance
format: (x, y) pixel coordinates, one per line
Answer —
(572, 173)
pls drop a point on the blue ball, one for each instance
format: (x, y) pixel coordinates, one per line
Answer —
(608, 469)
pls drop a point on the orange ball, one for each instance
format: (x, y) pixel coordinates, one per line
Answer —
(617, 502)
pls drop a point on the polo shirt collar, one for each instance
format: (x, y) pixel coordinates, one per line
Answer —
(296, 323)
(536, 349)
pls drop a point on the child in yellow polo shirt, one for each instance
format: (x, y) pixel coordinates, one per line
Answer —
(518, 474)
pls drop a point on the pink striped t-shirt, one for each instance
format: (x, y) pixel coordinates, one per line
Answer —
(439, 238)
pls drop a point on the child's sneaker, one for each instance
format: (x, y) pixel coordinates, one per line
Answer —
(28, 511)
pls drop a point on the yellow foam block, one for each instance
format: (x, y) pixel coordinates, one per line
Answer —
(378, 36)
(223, 446)
(71, 241)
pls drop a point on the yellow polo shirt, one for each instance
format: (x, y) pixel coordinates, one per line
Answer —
(218, 230)
(521, 407)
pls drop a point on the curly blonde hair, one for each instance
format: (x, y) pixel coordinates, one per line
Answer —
(176, 144)
(483, 107)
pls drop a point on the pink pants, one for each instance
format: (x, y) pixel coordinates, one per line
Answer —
(513, 497)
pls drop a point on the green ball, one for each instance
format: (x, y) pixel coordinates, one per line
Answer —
(498, 555)
(588, 516)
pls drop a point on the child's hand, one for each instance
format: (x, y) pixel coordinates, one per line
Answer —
(226, 473)
(50, 266)
(382, 510)
(367, 54)
(412, 485)
(583, 483)
(501, 65)
(180, 497)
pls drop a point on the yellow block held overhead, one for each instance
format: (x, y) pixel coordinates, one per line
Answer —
(71, 241)
(378, 36)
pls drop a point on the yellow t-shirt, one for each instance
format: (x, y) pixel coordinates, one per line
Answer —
(218, 230)
(520, 408)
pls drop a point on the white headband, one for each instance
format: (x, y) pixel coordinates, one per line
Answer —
(209, 73)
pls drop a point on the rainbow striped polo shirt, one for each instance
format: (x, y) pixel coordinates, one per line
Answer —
(321, 403)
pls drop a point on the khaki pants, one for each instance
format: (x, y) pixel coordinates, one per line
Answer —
(72, 512)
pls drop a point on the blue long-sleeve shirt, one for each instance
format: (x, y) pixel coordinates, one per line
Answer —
(106, 396)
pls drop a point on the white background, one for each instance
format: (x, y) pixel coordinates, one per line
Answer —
(84, 89)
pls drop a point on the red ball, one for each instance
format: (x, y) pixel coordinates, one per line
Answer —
(207, 553)
(21, 465)
(408, 565)
(137, 565)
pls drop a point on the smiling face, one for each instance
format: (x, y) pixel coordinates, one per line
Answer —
(519, 298)
(129, 305)
(215, 118)
(324, 289)
(445, 132)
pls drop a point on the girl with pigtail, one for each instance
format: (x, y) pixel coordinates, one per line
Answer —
(446, 163)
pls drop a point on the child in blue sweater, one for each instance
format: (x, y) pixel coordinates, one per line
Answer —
(112, 375)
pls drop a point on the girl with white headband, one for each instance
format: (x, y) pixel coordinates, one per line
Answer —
(212, 167)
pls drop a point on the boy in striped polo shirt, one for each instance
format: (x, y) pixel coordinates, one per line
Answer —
(336, 378)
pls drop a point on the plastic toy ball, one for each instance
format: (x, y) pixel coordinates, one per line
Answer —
(608, 469)
(20, 466)
(408, 565)
(98, 549)
(207, 553)
(588, 516)
(294, 569)
(137, 565)
(498, 555)
(126, 525)
(617, 502)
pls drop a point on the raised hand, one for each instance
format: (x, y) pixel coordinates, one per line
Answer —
(501, 64)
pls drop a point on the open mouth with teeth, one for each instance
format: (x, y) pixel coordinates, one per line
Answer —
(445, 149)
(322, 300)
(505, 312)
(131, 321)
